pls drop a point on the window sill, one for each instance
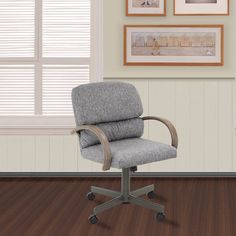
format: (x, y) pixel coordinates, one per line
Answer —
(36, 125)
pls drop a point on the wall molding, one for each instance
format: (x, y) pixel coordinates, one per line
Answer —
(113, 174)
(36, 125)
(174, 78)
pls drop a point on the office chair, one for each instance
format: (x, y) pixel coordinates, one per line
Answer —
(109, 127)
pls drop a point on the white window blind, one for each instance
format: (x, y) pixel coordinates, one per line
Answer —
(44, 53)
(66, 28)
(17, 28)
(57, 84)
(17, 90)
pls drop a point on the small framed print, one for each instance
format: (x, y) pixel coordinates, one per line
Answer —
(176, 45)
(201, 7)
(145, 7)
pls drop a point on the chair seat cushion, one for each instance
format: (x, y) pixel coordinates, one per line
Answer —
(131, 152)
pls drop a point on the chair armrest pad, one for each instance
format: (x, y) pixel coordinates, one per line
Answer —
(103, 140)
(170, 126)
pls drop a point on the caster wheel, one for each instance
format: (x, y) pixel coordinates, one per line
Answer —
(133, 168)
(160, 216)
(90, 196)
(151, 195)
(93, 219)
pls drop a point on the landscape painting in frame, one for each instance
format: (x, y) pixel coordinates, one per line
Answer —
(201, 7)
(173, 45)
(145, 7)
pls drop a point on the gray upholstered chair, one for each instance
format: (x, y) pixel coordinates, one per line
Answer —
(109, 126)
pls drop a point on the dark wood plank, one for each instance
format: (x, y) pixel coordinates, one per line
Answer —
(57, 206)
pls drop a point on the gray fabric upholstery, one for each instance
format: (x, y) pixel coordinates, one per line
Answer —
(132, 128)
(105, 102)
(116, 108)
(131, 152)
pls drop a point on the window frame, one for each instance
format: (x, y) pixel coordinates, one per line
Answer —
(40, 124)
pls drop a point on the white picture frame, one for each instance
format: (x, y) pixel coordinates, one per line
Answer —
(201, 7)
(145, 7)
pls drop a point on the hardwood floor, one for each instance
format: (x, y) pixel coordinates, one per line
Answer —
(58, 207)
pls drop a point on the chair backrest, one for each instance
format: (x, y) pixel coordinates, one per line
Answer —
(115, 107)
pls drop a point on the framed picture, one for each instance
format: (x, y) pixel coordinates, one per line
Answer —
(201, 7)
(152, 45)
(145, 7)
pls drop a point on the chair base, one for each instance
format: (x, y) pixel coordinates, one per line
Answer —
(126, 196)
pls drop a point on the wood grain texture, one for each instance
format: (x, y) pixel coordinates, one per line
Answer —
(194, 206)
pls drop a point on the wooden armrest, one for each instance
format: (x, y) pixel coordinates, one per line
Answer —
(170, 126)
(103, 140)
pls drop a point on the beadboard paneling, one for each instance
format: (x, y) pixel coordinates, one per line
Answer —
(42, 153)
(161, 91)
(225, 142)
(211, 124)
(28, 153)
(3, 154)
(70, 153)
(14, 153)
(196, 126)
(201, 109)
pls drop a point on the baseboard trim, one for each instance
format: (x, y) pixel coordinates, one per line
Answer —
(113, 174)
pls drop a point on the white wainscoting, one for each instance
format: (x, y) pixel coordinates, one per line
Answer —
(201, 109)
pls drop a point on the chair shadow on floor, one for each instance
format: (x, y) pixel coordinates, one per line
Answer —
(160, 198)
(104, 225)
(171, 222)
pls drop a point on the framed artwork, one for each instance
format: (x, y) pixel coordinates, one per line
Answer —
(145, 7)
(201, 7)
(153, 45)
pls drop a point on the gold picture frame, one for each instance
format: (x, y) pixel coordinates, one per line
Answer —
(173, 45)
(145, 7)
(201, 7)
